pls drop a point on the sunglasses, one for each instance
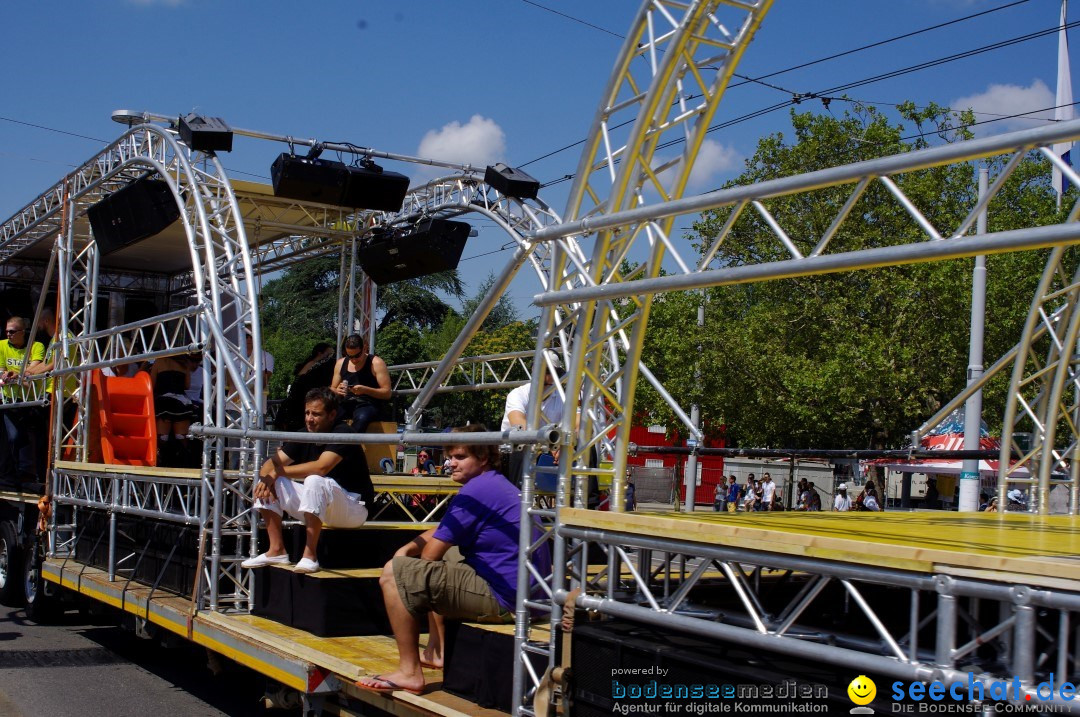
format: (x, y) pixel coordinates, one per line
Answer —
(355, 355)
(12, 332)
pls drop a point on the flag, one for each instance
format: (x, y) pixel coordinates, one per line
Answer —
(1064, 103)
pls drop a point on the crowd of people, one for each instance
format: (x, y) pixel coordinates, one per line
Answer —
(762, 495)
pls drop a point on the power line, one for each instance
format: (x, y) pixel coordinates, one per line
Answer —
(758, 79)
(827, 93)
(52, 129)
(885, 41)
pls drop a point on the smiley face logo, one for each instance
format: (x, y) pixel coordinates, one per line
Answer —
(862, 690)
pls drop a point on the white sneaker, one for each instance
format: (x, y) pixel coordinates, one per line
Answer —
(261, 561)
(306, 565)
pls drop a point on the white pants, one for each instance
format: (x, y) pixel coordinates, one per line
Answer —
(320, 496)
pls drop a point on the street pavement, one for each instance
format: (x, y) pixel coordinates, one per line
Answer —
(84, 666)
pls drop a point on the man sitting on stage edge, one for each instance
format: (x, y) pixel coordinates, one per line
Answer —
(336, 490)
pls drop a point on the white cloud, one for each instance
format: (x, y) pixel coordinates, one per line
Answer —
(713, 158)
(480, 142)
(1004, 100)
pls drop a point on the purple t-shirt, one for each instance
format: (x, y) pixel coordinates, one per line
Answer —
(483, 521)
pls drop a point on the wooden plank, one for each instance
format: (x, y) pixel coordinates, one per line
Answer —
(388, 525)
(1020, 543)
(350, 657)
(153, 471)
(18, 496)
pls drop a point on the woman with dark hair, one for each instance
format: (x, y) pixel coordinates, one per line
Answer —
(363, 383)
(466, 568)
(313, 372)
(320, 352)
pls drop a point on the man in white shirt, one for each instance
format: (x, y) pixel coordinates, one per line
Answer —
(841, 502)
(768, 492)
(517, 408)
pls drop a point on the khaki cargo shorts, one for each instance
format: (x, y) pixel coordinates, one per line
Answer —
(449, 587)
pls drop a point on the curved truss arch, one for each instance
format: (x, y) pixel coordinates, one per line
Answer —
(224, 301)
(461, 194)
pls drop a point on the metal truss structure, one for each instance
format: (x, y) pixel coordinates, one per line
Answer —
(652, 120)
(901, 624)
(661, 89)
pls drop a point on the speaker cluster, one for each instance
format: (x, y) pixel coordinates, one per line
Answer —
(412, 251)
(329, 182)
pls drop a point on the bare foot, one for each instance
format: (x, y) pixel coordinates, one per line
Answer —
(431, 658)
(393, 681)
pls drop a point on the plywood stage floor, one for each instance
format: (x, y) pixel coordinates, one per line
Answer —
(1009, 547)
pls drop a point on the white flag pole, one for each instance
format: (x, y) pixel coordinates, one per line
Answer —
(1063, 110)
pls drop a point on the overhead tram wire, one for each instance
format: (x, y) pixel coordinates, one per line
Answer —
(799, 98)
(771, 74)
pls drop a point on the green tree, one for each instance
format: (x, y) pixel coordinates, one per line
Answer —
(853, 359)
(416, 302)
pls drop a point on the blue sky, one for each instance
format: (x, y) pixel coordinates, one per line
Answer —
(482, 81)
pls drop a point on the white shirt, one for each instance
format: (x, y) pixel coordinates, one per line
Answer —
(768, 491)
(194, 391)
(841, 502)
(518, 400)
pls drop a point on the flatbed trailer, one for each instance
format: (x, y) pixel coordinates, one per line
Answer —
(983, 604)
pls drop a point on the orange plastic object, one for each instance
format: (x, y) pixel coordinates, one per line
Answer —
(124, 408)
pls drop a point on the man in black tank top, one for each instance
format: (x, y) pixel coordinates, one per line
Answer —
(362, 383)
(336, 491)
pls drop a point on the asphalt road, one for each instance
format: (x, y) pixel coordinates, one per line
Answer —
(87, 666)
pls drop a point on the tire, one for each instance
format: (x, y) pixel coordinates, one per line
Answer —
(11, 589)
(44, 602)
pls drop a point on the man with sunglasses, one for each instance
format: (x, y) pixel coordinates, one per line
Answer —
(363, 383)
(18, 457)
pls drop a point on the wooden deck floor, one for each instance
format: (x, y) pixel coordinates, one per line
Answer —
(1041, 549)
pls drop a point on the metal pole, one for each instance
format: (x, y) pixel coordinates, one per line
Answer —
(467, 333)
(969, 473)
(690, 476)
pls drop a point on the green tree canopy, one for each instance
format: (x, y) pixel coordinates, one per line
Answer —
(855, 359)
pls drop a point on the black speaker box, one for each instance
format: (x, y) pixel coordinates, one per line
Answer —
(374, 188)
(346, 548)
(205, 134)
(325, 604)
(138, 211)
(479, 665)
(424, 248)
(309, 180)
(329, 182)
(511, 182)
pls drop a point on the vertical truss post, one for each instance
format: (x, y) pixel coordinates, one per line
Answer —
(945, 642)
(1024, 642)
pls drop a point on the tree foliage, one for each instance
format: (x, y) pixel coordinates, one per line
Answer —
(853, 359)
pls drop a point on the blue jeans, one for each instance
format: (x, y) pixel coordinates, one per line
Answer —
(362, 416)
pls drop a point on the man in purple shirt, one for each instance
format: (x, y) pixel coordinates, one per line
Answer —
(465, 568)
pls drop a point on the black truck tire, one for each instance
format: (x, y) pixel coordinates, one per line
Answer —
(11, 589)
(44, 602)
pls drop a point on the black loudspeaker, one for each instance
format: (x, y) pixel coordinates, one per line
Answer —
(329, 182)
(511, 182)
(205, 134)
(424, 248)
(371, 187)
(138, 211)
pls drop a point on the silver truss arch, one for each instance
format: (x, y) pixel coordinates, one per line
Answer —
(680, 46)
(223, 302)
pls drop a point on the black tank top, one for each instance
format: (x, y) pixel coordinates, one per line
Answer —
(364, 377)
